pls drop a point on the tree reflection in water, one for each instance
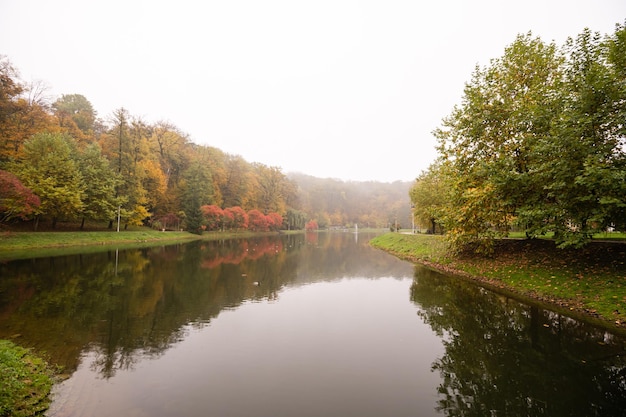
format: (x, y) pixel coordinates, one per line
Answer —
(506, 358)
(502, 357)
(125, 305)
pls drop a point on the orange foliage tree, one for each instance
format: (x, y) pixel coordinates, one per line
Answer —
(213, 216)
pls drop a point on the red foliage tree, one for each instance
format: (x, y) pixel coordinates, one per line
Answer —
(311, 225)
(240, 217)
(213, 216)
(257, 221)
(228, 219)
(170, 220)
(16, 200)
(275, 221)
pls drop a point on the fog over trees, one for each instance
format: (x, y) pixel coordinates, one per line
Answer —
(60, 162)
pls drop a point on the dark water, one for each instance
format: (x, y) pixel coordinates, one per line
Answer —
(315, 325)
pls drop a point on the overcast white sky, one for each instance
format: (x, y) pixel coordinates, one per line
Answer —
(339, 88)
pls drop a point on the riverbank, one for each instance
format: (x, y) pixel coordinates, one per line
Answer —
(25, 381)
(589, 282)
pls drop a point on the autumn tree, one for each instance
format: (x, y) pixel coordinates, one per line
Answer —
(270, 191)
(50, 169)
(428, 198)
(257, 221)
(169, 220)
(274, 221)
(157, 164)
(16, 200)
(237, 187)
(213, 216)
(213, 160)
(154, 182)
(172, 150)
(311, 225)
(125, 145)
(10, 91)
(76, 114)
(24, 112)
(239, 217)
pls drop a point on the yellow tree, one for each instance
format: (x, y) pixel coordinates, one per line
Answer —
(238, 185)
(270, 193)
(49, 168)
(23, 112)
(428, 198)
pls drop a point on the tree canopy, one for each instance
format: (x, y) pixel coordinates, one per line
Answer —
(61, 162)
(537, 144)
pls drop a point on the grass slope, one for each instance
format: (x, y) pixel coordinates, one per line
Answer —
(25, 381)
(591, 281)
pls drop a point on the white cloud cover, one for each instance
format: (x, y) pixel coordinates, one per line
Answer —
(343, 89)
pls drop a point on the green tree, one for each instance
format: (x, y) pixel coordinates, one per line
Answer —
(487, 143)
(295, 219)
(584, 164)
(50, 169)
(197, 191)
(428, 198)
(127, 146)
(100, 202)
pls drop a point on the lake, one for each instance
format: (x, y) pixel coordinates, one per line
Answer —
(316, 324)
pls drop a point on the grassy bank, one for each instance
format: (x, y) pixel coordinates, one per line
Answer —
(15, 245)
(25, 381)
(590, 281)
(18, 245)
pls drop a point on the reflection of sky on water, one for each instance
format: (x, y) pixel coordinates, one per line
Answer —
(349, 347)
(296, 324)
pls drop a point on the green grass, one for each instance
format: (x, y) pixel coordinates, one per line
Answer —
(15, 245)
(20, 245)
(413, 247)
(25, 381)
(589, 281)
(612, 236)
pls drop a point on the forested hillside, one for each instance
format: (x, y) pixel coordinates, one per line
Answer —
(368, 204)
(60, 162)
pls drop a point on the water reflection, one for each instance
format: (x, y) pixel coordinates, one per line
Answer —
(505, 358)
(134, 303)
(456, 350)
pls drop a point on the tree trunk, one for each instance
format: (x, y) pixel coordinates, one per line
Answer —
(82, 224)
(36, 223)
(54, 222)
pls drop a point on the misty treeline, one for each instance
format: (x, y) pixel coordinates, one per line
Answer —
(60, 162)
(536, 145)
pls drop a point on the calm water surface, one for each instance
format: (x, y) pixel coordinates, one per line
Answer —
(304, 325)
